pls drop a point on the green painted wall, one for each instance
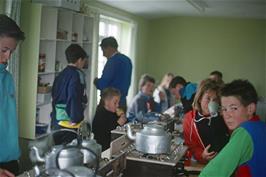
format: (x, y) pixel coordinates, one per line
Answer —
(194, 46)
(30, 24)
(2, 6)
(265, 53)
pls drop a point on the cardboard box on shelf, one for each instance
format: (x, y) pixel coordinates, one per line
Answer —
(44, 89)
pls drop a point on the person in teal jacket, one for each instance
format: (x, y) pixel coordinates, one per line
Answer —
(10, 35)
(183, 91)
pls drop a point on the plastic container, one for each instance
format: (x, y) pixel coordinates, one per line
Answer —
(41, 128)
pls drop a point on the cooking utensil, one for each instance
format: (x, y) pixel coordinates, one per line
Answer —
(152, 139)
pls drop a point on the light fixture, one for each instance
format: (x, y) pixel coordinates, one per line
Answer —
(200, 5)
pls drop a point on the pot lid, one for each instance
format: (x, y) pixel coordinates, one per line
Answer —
(70, 152)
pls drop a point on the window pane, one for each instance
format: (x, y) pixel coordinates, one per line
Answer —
(112, 30)
(109, 26)
(102, 29)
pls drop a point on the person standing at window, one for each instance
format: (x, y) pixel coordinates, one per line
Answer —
(117, 70)
(10, 35)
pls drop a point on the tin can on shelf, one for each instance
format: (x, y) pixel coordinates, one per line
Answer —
(42, 62)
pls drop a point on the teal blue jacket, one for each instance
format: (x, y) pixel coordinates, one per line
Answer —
(9, 146)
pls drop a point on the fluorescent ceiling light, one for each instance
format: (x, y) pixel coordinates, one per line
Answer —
(200, 5)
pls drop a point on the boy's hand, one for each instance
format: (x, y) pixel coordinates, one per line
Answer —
(206, 155)
(5, 173)
(122, 120)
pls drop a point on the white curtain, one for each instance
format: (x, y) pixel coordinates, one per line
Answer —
(12, 9)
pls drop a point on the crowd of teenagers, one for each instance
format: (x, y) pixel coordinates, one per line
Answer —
(220, 126)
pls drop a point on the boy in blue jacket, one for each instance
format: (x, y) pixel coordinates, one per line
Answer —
(69, 92)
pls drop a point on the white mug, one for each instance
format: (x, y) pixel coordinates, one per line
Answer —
(213, 108)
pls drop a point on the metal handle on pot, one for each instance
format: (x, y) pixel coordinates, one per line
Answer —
(45, 172)
(80, 147)
(97, 159)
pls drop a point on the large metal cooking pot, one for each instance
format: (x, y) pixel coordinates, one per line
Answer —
(152, 139)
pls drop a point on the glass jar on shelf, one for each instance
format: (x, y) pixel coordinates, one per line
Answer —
(42, 62)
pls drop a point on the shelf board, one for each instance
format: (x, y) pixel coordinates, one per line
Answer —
(49, 72)
(45, 39)
(38, 104)
(76, 42)
(87, 42)
(63, 40)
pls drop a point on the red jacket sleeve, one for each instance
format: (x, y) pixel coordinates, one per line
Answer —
(191, 137)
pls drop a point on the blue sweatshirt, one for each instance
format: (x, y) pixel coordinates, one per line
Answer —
(138, 110)
(116, 73)
(9, 146)
(69, 89)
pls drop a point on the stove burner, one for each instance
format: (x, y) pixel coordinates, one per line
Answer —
(176, 152)
(154, 156)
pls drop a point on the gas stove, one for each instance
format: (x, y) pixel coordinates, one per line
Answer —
(166, 122)
(149, 165)
(176, 153)
(159, 165)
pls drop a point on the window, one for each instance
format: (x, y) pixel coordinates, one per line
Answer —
(123, 32)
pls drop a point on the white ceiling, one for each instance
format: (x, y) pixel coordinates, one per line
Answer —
(151, 9)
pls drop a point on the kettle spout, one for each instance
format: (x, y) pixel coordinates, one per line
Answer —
(130, 133)
(35, 155)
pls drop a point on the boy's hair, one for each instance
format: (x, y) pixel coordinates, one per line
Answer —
(169, 74)
(243, 90)
(9, 28)
(75, 52)
(109, 93)
(144, 79)
(217, 73)
(206, 85)
(177, 80)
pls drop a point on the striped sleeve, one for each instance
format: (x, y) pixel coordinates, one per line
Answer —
(237, 151)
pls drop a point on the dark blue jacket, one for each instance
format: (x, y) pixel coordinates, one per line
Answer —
(116, 73)
(69, 88)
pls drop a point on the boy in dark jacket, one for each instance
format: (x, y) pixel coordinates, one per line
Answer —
(107, 117)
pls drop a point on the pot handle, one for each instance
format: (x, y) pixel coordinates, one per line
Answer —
(80, 147)
(130, 133)
(97, 159)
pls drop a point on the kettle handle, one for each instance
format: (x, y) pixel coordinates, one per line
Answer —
(80, 147)
(97, 159)
(44, 172)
